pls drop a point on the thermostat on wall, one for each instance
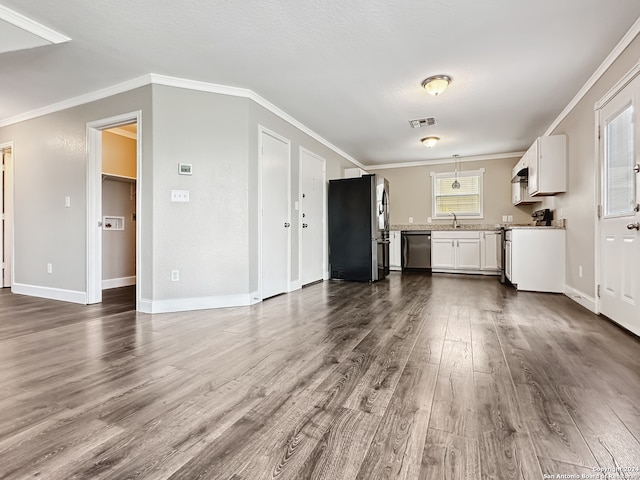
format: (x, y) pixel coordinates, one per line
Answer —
(184, 168)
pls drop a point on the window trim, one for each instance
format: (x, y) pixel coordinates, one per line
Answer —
(466, 173)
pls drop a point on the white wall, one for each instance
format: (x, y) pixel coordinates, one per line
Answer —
(207, 239)
(579, 203)
(212, 240)
(410, 192)
(50, 164)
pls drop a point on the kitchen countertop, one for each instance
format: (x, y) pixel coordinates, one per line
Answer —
(464, 226)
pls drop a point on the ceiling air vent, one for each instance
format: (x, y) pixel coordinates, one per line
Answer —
(423, 122)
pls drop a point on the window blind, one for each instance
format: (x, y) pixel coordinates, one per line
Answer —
(463, 201)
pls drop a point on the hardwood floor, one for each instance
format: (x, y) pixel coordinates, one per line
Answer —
(415, 377)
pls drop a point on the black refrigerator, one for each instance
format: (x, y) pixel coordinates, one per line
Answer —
(359, 228)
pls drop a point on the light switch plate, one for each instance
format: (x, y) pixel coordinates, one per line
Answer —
(179, 196)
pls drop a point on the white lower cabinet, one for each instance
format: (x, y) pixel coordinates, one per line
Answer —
(489, 251)
(442, 252)
(465, 251)
(455, 251)
(395, 250)
(535, 259)
(507, 259)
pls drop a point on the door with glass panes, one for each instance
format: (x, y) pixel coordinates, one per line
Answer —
(620, 216)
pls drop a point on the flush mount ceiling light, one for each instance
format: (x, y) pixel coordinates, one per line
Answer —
(430, 141)
(436, 84)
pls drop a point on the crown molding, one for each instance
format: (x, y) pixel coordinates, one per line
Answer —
(81, 100)
(442, 161)
(31, 26)
(604, 66)
(155, 79)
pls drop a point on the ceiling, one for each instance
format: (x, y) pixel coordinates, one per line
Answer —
(350, 71)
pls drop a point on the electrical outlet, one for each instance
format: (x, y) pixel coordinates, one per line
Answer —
(410, 219)
(510, 218)
(49, 268)
(580, 271)
(67, 202)
(504, 218)
(175, 275)
(428, 219)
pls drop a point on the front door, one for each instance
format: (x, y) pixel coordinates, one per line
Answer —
(313, 186)
(620, 219)
(276, 225)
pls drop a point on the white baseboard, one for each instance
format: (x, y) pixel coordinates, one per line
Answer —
(326, 276)
(61, 294)
(197, 303)
(118, 282)
(295, 285)
(583, 299)
(395, 269)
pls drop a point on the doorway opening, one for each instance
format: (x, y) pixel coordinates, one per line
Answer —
(6, 215)
(113, 208)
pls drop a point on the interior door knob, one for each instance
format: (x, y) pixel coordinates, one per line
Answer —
(634, 226)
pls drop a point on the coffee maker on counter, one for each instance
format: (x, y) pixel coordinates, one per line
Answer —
(542, 218)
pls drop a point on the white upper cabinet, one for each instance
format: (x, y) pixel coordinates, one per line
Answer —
(546, 160)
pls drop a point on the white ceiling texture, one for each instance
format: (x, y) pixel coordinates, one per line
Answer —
(349, 70)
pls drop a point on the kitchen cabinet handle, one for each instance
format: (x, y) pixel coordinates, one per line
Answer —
(287, 224)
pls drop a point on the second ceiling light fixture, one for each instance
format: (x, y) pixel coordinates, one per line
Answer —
(435, 85)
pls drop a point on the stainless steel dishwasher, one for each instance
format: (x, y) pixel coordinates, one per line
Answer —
(416, 250)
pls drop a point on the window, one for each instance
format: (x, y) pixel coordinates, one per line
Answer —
(619, 177)
(465, 202)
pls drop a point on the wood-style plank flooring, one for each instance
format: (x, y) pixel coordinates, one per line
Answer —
(415, 377)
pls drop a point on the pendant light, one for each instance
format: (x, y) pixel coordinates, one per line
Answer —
(456, 184)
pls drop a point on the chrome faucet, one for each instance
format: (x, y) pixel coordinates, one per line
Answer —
(455, 220)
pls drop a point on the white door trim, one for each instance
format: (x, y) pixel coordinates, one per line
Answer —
(265, 131)
(9, 210)
(94, 203)
(325, 268)
(599, 176)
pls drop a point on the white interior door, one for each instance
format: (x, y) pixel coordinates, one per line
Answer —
(275, 175)
(312, 188)
(6, 223)
(620, 220)
(2, 220)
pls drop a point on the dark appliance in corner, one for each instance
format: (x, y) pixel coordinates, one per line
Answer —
(542, 218)
(359, 228)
